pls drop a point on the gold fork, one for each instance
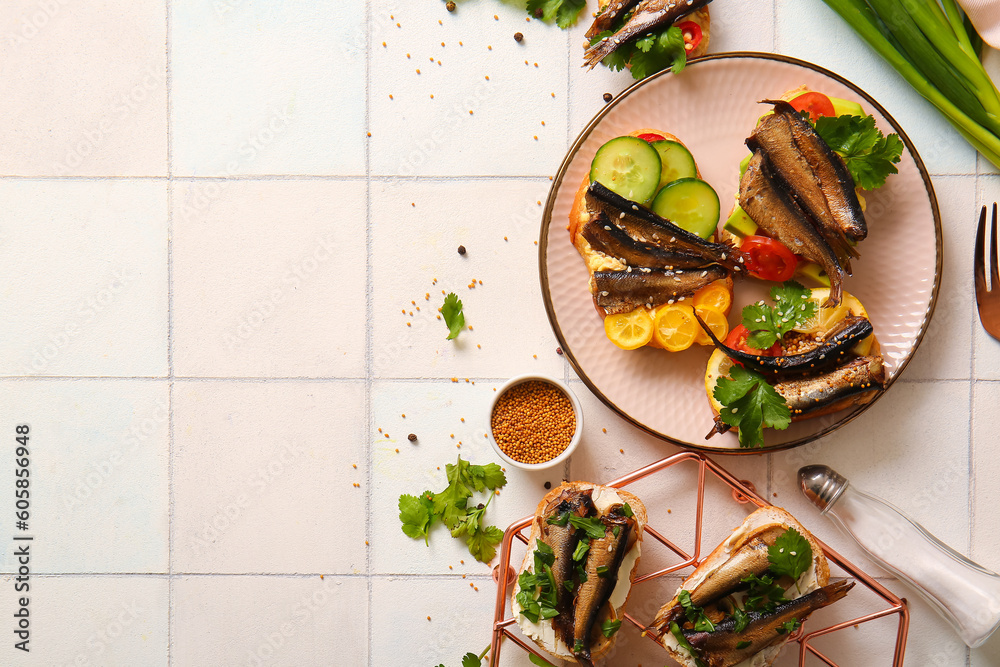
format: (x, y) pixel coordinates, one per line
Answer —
(988, 300)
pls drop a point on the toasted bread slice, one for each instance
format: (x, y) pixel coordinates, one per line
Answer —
(543, 633)
(817, 576)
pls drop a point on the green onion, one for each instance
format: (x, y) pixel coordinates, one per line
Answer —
(934, 48)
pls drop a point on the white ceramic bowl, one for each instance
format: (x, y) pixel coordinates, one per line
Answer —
(577, 410)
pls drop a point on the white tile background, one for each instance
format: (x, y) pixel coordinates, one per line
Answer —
(208, 268)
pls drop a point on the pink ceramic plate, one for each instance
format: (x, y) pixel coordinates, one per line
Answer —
(711, 107)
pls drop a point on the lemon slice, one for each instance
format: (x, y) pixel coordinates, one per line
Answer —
(714, 295)
(718, 366)
(675, 328)
(715, 320)
(629, 330)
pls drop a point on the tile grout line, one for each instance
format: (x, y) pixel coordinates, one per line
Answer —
(307, 177)
(394, 178)
(971, 467)
(347, 379)
(170, 344)
(369, 309)
(568, 467)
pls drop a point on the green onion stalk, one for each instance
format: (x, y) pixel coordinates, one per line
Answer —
(934, 47)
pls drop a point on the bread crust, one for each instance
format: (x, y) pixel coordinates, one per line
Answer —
(761, 519)
(603, 645)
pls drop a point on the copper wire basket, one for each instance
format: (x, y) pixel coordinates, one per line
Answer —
(742, 493)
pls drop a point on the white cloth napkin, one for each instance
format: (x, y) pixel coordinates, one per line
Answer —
(985, 15)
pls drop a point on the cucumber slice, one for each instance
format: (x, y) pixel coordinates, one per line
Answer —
(691, 204)
(629, 167)
(675, 161)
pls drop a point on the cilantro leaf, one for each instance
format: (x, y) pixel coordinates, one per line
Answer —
(868, 154)
(582, 547)
(661, 51)
(682, 642)
(563, 12)
(609, 627)
(471, 523)
(789, 626)
(471, 660)
(450, 504)
(695, 614)
(417, 515)
(617, 59)
(790, 555)
(764, 594)
(560, 520)
(742, 621)
(482, 544)
(768, 324)
(453, 316)
(489, 476)
(591, 526)
(541, 662)
(750, 404)
(742, 644)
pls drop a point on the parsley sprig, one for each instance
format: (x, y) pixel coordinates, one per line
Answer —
(768, 324)
(750, 404)
(869, 155)
(418, 513)
(453, 316)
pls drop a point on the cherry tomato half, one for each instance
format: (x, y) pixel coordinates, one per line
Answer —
(737, 339)
(692, 35)
(817, 104)
(768, 259)
(650, 137)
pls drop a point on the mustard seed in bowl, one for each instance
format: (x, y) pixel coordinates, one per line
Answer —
(533, 422)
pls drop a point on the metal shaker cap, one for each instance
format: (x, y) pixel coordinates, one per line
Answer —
(822, 485)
